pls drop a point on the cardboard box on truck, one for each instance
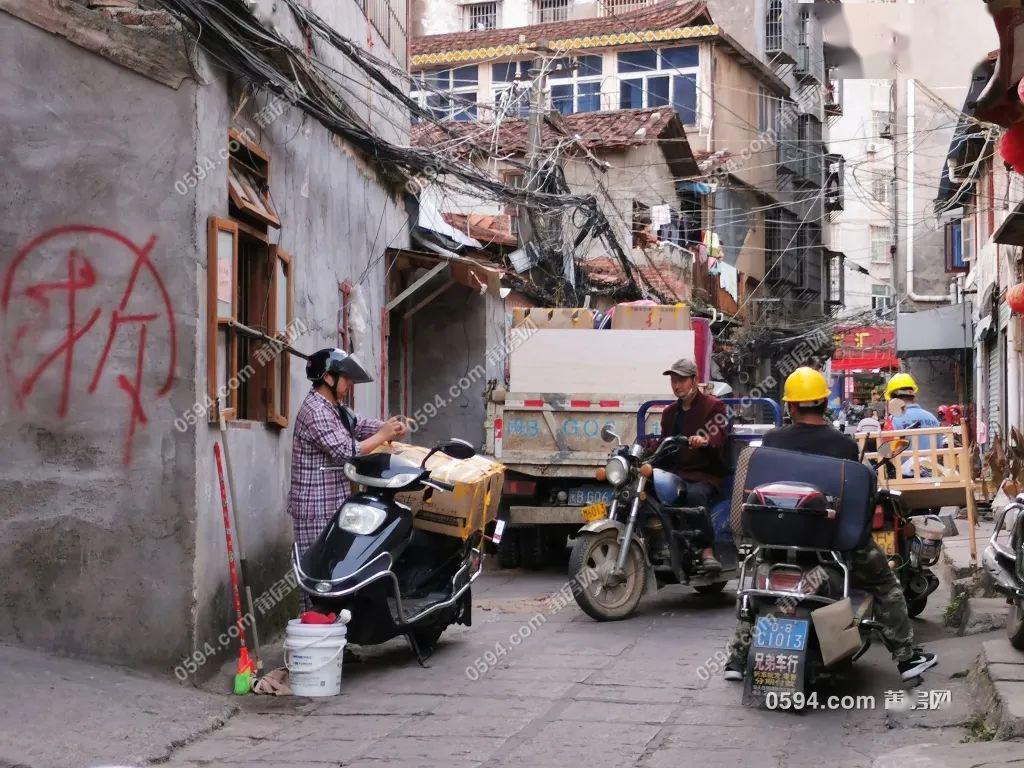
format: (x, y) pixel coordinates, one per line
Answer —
(468, 508)
(557, 317)
(675, 317)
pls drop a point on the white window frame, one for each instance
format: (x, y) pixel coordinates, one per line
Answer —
(881, 297)
(662, 71)
(559, 7)
(967, 238)
(880, 118)
(880, 236)
(575, 80)
(467, 11)
(421, 96)
(768, 111)
(521, 84)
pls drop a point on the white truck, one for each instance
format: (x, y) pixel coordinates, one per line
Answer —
(565, 384)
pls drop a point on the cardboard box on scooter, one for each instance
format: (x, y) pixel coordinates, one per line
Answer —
(468, 508)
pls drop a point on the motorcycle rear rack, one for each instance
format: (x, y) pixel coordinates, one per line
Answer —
(785, 594)
(400, 619)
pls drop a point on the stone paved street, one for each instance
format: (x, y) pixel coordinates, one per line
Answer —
(576, 692)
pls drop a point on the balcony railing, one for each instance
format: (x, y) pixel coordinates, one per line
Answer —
(388, 18)
(781, 31)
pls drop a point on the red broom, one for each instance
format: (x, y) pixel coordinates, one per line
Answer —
(246, 668)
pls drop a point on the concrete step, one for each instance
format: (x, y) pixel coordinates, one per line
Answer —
(971, 755)
(997, 684)
(983, 614)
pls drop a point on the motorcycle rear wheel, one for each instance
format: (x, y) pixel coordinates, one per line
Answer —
(1015, 625)
(599, 552)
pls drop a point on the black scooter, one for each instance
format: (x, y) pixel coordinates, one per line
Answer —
(394, 579)
(1004, 562)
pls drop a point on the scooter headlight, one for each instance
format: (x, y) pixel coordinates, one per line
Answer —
(360, 519)
(616, 470)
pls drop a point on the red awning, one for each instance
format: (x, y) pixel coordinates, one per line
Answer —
(868, 362)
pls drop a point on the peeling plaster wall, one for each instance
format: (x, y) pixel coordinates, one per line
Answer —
(96, 523)
(120, 554)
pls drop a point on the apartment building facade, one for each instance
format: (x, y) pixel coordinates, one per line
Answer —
(760, 194)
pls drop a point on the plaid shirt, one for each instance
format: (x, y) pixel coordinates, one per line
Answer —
(321, 439)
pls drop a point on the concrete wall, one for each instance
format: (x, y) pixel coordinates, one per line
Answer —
(449, 341)
(338, 216)
(98, 519)
(111, 525)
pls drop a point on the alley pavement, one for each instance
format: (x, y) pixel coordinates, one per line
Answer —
(576, 692)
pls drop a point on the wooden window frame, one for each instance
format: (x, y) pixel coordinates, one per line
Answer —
(344, 331)
(268, 215)
(215, 322)
(281, 368)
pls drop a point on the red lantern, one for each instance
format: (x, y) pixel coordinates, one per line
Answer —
(1015, 298)
(1011, 147)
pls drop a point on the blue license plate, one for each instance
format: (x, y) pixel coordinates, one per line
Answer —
(784, 634)
(589, 494)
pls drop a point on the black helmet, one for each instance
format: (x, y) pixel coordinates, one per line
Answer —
(338, 362)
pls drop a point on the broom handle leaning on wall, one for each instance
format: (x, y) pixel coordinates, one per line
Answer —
(242, 560)
(252, 333)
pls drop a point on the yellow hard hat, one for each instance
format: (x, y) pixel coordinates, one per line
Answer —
(805, 385)
(899, 383)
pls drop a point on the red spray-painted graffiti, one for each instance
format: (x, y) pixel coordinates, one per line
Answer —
(54, 294)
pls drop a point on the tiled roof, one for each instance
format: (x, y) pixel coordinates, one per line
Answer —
(615, 129)
(664, 15)
(489, 230)
(665, 278)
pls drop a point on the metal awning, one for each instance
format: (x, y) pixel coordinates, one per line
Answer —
(1011, 231)
(946, 328)
(443, 270)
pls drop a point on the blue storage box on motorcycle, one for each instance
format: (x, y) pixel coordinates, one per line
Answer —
(849, 486)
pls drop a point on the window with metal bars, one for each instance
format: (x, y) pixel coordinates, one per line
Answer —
(618, 7)
(546, 11)
(481, 16)
(773, 28)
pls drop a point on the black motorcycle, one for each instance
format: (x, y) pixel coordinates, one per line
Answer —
(1004, 563)
(395, 579)
(795, 579)
(644, 539)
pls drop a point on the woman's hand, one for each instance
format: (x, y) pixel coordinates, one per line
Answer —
(393, 429)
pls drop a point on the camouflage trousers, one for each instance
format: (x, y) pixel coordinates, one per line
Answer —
(869, 571)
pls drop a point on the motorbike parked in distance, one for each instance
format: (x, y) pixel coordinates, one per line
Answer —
(394, 579)
(795, 578)
(1004, 562)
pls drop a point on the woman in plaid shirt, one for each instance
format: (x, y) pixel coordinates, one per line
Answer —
(327, 433)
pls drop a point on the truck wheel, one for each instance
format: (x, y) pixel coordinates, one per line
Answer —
(531, 548)
(597, 553)
(508, 550)
(1015, 625)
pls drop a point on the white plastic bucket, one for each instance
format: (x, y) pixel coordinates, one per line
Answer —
(313, 654)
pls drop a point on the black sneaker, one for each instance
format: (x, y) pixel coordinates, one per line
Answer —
(733, 672)
(917, 664)
(711, 565)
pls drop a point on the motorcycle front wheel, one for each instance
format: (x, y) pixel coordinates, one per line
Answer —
(593, 558)
(1015, 624)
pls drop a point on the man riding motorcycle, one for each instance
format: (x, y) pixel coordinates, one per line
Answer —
(806, 395)
(701, 465)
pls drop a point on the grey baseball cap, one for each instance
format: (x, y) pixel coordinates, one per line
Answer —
(684, 367)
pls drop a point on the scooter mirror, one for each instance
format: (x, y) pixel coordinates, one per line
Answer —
(457, 449)
(608, 434)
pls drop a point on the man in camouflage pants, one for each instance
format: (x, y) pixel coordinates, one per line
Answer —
(806, 395)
